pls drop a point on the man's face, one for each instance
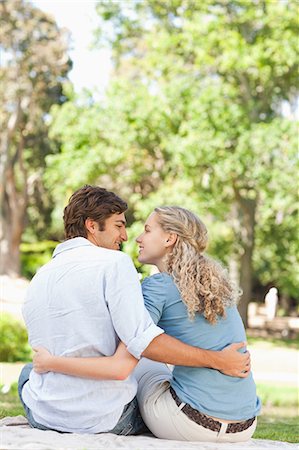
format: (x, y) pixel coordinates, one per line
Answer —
(113, 235)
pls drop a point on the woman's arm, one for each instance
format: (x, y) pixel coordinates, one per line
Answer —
(116, 367)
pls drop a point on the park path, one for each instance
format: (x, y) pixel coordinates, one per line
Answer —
(275, 365)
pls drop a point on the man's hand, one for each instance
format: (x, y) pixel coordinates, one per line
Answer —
(233, 362)
(42, 360)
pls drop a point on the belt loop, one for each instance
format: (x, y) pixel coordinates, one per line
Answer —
(222, 429)
(180, 407)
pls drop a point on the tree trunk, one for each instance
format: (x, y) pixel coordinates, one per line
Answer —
(10, 255)
(285, 304)
(14, 202)
(246, 212)
(13, 210)
(245, 282)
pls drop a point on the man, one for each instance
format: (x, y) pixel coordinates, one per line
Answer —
(86, 299)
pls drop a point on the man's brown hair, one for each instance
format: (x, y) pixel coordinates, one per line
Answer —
(91, 202)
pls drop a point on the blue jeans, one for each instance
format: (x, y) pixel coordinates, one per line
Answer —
(130, 421)
(23, 378)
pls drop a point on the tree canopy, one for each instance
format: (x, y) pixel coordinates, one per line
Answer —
(195, 115)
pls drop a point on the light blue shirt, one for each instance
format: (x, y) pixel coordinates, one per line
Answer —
(80, 304)
(206, 390)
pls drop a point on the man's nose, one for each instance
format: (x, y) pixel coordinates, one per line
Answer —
(124, 235)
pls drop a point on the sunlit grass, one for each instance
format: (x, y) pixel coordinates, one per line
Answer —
(278, 425)
(280, 416)
(10, 404)
(278, 395)
(273, 342)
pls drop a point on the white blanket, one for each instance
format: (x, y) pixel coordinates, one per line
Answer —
(15, 434)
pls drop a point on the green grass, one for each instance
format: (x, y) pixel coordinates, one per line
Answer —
(278, 427)
(278, 396)
(10, 403)
(273, 342)
(278, 421)
(280, 416)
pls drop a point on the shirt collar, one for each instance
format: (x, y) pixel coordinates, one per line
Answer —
(70, 244)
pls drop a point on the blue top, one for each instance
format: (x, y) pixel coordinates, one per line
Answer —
(206, 390)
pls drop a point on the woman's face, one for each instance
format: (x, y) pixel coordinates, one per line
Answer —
(153, 242)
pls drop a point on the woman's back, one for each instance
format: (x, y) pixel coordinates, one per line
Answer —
(206, 390)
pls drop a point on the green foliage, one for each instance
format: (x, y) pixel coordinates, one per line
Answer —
(35, 255)
(194, 116)
(221, 88)
(277, 234)
(13, 340)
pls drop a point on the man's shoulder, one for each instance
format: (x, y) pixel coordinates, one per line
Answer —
(116, 256)
(98, 257)
(100, 253)
(112, 259)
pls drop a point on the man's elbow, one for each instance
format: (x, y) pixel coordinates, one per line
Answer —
(121, 376)
(124, 371)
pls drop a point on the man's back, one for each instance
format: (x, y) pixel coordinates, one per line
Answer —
(76, 306)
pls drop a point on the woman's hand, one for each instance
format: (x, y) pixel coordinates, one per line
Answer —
(42, 360)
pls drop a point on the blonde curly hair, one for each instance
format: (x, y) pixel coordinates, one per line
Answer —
(203, 283)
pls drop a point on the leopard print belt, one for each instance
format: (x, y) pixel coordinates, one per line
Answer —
(208, 422)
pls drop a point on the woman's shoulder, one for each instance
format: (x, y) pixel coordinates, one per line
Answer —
(162, 278)
(162, 285)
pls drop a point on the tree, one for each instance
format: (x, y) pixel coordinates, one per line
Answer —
(223, 71)
(193, 116)
(34, 63)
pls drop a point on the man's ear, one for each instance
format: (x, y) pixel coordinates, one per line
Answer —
(91, 225)
(171, 239)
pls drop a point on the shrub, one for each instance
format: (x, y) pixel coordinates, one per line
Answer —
(35, 255)
(13, 340)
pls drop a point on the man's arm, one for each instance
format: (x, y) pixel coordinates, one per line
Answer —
(168, 349)
(229, 361)
(136, 329)
(115, 367)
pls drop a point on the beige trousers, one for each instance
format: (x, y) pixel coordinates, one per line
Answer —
(162, 415)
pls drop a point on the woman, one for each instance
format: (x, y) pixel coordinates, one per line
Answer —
(192, 299)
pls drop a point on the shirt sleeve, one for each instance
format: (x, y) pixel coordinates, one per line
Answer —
(154, 293)
(129, 316)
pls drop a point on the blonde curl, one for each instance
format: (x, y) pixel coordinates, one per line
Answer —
(203, 283)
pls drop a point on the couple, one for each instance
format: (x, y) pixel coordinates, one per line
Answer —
(87, 303)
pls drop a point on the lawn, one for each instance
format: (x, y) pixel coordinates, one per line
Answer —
(10, 405)
(279, 419)
(278, 424)
(280, 416)
(273, 342)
